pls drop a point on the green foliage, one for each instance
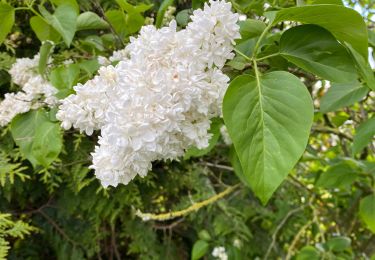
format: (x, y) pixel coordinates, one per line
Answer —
(302, 160)
(316, 50)
(7, 15)
(341, 95)
(38, 137)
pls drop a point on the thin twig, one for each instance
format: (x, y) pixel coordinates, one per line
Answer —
(278, 228)
(192, 208)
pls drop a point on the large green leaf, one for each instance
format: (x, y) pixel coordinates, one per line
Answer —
(64, 21)
(7, 20)
(39, 139)
(344, 23)
(364, 134)
(316, 50)
(43, 30)
(367, 211)
(341, 95)
(90, 20)
(269, 121)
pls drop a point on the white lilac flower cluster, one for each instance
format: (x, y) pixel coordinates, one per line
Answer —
(35, 90)
(159, 99)
(220, 253)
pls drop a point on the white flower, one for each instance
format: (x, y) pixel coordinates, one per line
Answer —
(225, 135)
(158, 100)
(220, 253)
(35, 92)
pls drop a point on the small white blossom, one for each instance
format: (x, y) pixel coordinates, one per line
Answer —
(220, 253)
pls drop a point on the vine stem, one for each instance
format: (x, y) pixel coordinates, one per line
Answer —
(192, 208)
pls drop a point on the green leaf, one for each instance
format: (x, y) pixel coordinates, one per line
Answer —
(7, 20)
(183, 17)
(339, 175)
(215, 131)
(73, 3)
(64, 78)
(39, 139)
(64, 21)
(162, 9)
(339, 244)
(316, 50)
(89, 21)
(43, 30)
(45, 51)
(251, 28)
(269, 121)
(364, 68)
(341, 95)
(367, 211)
(308, 253)
(118, 21)
(364, 134)
(200, 248)
(236, 164)
(318, 2)
(344, 23)
(141, 8)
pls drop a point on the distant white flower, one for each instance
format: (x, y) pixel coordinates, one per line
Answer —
(225, 135)
(220, 253)
(35, 90)
(158, 100)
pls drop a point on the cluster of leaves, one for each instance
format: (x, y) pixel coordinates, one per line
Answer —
(288, 55)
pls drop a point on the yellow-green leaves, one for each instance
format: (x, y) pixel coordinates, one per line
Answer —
(7, 20)
(269, 121)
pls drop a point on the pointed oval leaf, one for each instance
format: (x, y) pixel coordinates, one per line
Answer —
(39, 139)
(64, 21)
(341, 95)
(43, 30)
(200, 248)
(269, 121)
(367, 211)
(364, 134)
(90, 21)
(316, 50)
(7, 20)
(344, 23)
